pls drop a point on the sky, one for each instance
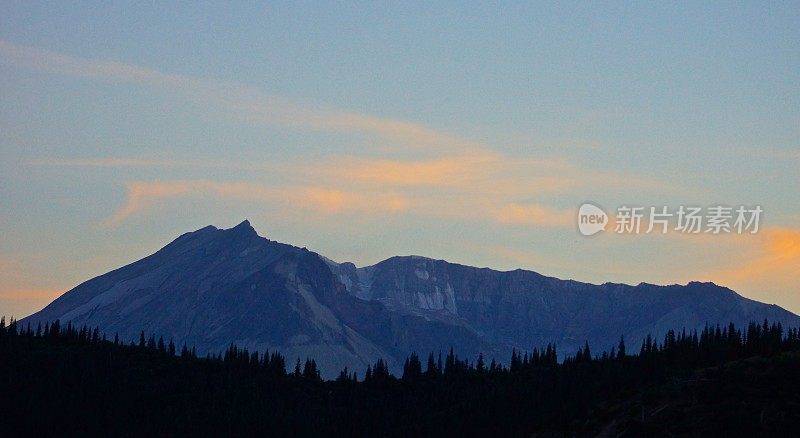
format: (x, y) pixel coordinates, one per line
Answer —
(470, 133)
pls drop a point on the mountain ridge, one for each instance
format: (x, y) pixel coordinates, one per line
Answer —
(212, 287)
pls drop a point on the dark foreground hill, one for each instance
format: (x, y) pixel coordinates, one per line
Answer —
(750, 397)
(65, 381)
(212, 287)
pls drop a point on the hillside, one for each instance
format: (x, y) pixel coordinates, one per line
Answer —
(213, 287)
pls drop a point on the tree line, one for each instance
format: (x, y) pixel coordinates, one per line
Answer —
(61, 376)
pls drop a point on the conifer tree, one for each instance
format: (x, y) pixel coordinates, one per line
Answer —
(431, 367)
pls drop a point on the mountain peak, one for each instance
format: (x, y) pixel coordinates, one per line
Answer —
(244, 228)
(244, 224)
(212, 287)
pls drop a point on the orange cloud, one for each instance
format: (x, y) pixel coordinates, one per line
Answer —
(463, 173)
(459, 178)
(476, 171)
(260, 110)
(143, 195)
(777, 254)
(767, 266)
(475, 185)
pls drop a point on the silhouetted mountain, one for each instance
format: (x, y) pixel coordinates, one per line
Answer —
(214, 287)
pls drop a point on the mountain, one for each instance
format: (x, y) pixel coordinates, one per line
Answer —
(214, 287)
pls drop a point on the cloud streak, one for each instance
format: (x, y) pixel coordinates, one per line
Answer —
(450, 177)
(243, 101)
(776, 253)
(317, 201)
(485, 186)
(142, 196)
(456, 177)
(762, 265)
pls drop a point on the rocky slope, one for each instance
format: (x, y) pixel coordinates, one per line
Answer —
(213, 287)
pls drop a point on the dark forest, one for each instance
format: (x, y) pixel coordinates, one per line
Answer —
(66, 380)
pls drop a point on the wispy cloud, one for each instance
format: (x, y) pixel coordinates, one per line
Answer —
(34, 58)
(764, 265)
(451, 177)
(476, 171)
(473, 186)
(479, 171)
(144, 195)
(774, 253)
(241, 100)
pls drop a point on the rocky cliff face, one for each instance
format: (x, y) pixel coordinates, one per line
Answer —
(213, 287)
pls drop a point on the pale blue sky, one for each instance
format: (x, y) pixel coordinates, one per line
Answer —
(365, 130)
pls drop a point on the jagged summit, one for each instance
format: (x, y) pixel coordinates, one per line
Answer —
(244, 226)
(212, 287)
(243, 231)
